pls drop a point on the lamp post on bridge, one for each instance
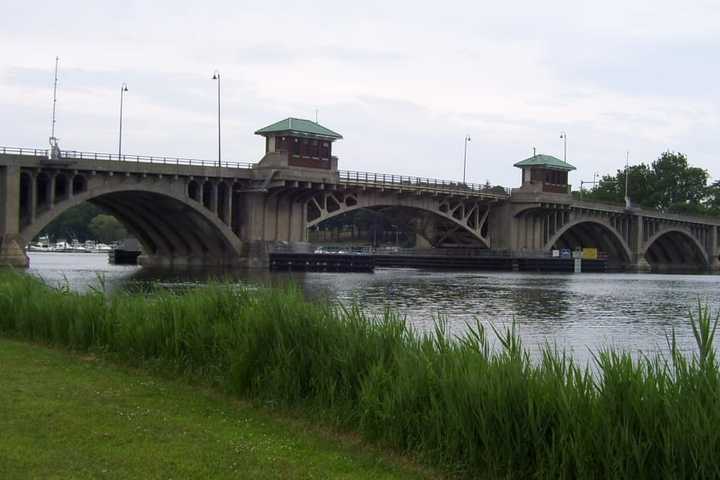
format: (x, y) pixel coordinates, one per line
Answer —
(123, 89)
(467, 140)
(216, 76)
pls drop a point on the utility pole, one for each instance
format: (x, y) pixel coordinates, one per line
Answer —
(627, 164)
(52, 128)
(123, 89)
(467, 140)
(54, 148)
(216, 76)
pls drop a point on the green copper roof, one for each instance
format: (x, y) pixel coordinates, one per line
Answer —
(299, 127)
(547, 161)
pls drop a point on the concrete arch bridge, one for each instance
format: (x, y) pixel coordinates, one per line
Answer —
(632, 239)
(190, 212)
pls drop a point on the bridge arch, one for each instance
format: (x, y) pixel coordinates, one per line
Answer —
(673, 248)
(475, 227)
(171, 227)
(592, 233)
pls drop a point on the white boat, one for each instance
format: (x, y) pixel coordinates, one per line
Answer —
(61, 246)
(101, 248)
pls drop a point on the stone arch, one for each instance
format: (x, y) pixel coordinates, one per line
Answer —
(348, 207)
(675, 248)
(589, 232)
(171, 228)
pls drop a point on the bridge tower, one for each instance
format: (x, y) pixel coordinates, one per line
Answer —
(300, 152)
(298, 143)
(544, 173)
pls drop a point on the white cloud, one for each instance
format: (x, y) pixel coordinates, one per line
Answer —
(402, 81)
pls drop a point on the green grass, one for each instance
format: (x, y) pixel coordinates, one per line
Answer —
(456, 403)
(66, 416)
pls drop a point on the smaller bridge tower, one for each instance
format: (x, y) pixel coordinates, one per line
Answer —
(545, 173)
(295, 142)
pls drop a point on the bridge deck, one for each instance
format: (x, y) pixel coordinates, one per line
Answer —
(347, 178)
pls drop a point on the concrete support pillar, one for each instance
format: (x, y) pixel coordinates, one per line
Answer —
(51, 190)
(252, 228)
(70, 178)
(270, 219)
(637, 242)
(297, 220)
(33, 197)
(227, 207)
(12, 246)
(214, 197)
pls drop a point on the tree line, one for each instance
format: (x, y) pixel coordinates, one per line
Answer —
(85, 222)
(669, 184)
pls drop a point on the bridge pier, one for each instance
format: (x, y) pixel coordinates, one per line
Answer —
(636, 243)
(640, 265)
(12, 246)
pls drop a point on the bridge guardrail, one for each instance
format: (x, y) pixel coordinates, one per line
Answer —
(78, 155)
(385, 179)
(345, 176)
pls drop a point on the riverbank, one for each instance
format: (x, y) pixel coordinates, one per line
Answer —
(71, 416)
(456, 403)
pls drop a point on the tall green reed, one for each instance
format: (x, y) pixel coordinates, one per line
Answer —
(456, 402)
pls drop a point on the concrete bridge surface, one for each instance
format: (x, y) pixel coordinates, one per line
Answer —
(189, 212)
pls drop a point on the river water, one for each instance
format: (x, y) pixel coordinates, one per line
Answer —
(580, 313)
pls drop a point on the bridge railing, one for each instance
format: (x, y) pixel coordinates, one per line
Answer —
(78, 155)
(345, 176)
(390, 180)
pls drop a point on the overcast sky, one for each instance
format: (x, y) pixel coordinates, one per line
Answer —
(402, 81)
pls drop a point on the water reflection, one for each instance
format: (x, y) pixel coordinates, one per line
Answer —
(577, 312)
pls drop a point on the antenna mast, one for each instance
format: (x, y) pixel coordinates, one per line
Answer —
(52, 131)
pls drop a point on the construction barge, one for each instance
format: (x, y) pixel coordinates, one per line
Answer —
(320, 261)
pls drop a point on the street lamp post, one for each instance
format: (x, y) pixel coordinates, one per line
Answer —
(563, 137)
(216, 76)
(467, 140)
(627, 165)
(123, 89)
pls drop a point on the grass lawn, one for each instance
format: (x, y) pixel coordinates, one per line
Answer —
(67, 416)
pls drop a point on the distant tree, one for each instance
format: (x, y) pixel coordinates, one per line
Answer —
(612, 188)
(677, 185)
(712, 198)
(668, 184)
(73, 223)
(106, 229)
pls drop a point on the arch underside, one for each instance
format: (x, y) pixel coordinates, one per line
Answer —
(167, 228)
(590, 234)
(439, 229)
(675, 250)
